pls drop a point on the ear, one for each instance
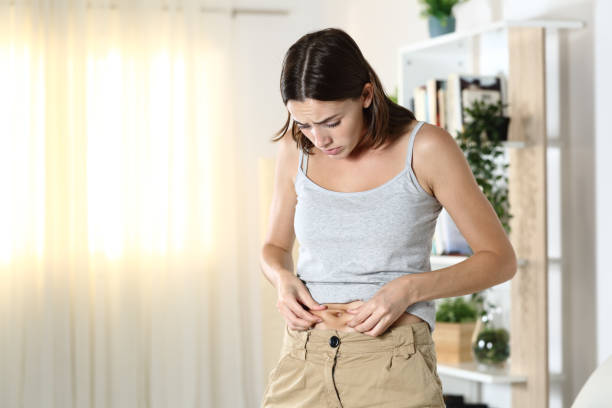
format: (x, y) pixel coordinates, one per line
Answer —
(367, 94)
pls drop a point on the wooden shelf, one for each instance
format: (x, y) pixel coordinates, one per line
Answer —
(444, 261)
(473, 372)
(456, 38)
(514, 144)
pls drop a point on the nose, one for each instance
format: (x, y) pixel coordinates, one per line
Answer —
(320, 141)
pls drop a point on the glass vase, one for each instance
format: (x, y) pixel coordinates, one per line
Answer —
(491, 344)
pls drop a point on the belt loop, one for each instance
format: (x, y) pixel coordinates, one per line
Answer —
(405, 346)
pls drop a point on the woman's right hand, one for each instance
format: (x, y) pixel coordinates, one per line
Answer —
(292, 297)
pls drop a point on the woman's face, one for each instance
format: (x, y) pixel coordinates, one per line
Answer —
(332, 124)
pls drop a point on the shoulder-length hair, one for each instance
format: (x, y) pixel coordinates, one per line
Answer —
(327, 65)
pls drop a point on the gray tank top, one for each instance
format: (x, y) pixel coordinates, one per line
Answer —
(352, 243)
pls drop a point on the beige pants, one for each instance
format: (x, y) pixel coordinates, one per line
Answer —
(335, 369)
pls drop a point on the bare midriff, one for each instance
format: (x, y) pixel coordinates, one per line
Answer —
(336, 317)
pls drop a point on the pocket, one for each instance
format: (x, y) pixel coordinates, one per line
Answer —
(427, 355)
(277, 367)
(287, 375)
(411, 379)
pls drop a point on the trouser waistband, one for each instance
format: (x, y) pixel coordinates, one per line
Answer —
(401, 340)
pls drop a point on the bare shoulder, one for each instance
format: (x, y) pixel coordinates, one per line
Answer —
(432, 145)
(288, 154)
(444, 167)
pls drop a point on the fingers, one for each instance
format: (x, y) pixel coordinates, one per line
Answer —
(302, 313)
(295, 320)
(357, 308)
(292, 321)
(359, 318)
(370, 323)
(379, 328)
(294, 301)
(310, 302)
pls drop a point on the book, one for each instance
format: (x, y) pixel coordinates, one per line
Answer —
(453, 104)
(433, 86)
(420, 103)
(461, 92)
(442, 105)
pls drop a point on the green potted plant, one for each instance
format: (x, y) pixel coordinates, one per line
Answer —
(481, 142)
(440, 15)
(455, 323)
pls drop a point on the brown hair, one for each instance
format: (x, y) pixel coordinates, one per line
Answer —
(327, 65)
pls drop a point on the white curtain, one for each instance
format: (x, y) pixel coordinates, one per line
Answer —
(120, 274)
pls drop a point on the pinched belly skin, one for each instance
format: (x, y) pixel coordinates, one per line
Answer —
(335, 317)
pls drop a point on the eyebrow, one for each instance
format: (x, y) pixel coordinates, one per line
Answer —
(318, 123)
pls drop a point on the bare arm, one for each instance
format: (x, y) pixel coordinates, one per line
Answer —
(276, 261)
(449, 176)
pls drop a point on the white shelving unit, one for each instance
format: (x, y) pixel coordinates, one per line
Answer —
(465, 52)
(491, 50)
(472, 371)
(444, 261)
(479, 375)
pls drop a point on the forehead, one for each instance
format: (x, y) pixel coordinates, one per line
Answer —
(312, 110)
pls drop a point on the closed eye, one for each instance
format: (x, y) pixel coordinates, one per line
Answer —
(331, 125)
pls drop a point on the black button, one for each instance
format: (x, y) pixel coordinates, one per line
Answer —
(334, 341)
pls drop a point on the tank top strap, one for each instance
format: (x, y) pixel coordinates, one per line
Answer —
(411, 143)
(301, 153)
(303, 161)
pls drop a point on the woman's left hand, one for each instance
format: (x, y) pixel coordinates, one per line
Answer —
(385, 307)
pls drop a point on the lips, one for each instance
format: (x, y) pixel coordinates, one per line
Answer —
(332, 150)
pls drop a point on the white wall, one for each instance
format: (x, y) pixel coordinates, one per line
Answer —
(603, 173)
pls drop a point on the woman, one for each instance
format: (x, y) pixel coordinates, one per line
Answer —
(360, 183)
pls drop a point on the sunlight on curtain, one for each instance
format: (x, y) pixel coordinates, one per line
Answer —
(120, 284)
